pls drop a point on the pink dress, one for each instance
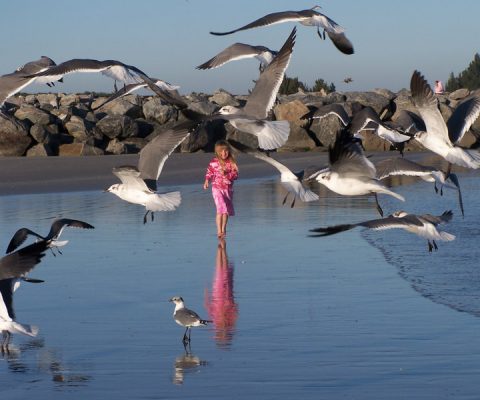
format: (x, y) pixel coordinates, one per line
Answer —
(222, 185)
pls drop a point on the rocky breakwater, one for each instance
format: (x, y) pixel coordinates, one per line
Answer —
(73, 125)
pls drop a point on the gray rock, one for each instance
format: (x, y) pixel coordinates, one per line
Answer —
(242, 137)
(155, 110)
(33, 114)
(14, 138)
(122, 106)
(39, 133)
(298, 140)
(205, 137)
(459, 94)
(323, 131)
(67, 100)
(50, 99)
(40, 150)
(115, 147)
(79, 149)
(79, 128)
(388, 94)
(117, 126)
(375, 100)
(203, 107)
(134, 144)
(223, 98)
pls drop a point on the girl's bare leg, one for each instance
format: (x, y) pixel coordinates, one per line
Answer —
(218, 220)
(224, 221)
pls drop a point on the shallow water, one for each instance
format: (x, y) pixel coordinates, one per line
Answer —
(294, 316)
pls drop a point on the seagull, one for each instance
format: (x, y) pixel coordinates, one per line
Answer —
(238, 51)
(441, 137)
(291, 181)
(367, 119)
(14, 82)
(350, 173)
(402, 166)
(409, 122)
(308, 17)
(252, 117)
(127, 89)
(186, 318)
(111, 68)
(8, 324)
(139, 184)
(52, 238)
(422, 225)
(322, 111)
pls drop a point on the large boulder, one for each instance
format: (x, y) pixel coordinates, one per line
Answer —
(33, 114)
(155, 110)
(292, 111)
(298, 140)
(79, 149)
(373, 99)
(14, 138)
(128, 106)
(79, 128)
(117, 126)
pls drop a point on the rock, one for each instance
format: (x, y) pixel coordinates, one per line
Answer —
(205, 137)
(385, 93)
(242, 137)
(292, 111)
(117, 126)
(39, 133)
(49, 99)
(67, 100)
(203, 107)
(122, 106)
(40, 150)
(79, 128)
(79, 149)
(155, 110)
(403, 101)
(33, 114)
(14, 138)
(134, 144)
(373, 99)
(459, 94)
(298, 140)
(323, 131)
(116, 147)
(223, 98)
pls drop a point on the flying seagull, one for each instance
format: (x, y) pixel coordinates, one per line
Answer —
(186, 318)
(52, 238)
(12, 83)
(111, 68)
(238, 51)
(291, 181)
(440, 178)
(350, 173)
(320, 111)
(308, 17)
(139, 184)
(422, 225)
(252, 118)
(441, 137)
(127, 89)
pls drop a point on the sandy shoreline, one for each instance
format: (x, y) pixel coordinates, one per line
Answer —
(23, 175)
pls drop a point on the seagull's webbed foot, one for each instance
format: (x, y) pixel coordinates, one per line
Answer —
(379, 209)
(435, 245)
(151, 216)
(430, 247)
(435, 187)
(145, 217)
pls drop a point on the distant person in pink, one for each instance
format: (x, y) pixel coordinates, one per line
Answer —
(221, 172)
(439, 89)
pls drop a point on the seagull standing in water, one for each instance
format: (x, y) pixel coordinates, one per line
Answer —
(239, 51)
(291, 181)
(252, 118)
(308, 17)
(441, 137)
(350, 173)
(139, 185)
(422, 225)
(186, 318)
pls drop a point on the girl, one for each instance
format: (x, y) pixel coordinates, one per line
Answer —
(222, 171)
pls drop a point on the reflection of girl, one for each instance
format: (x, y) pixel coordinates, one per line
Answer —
(222, 171)
(221, 305)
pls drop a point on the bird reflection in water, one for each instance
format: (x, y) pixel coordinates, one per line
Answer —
(221, 305)
(186, 364)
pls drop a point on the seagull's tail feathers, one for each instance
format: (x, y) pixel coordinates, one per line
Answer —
(16, 327)
(308, 195)
(331, 230)
(57, 243)
(445, 236)
(274, 134)
(390, 193)
(164, 201)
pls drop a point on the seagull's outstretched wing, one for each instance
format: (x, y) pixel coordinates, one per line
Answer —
(462, 118)
(401, 166)
(22, 261)
(263, 95)
(130, 176)
(156, 152)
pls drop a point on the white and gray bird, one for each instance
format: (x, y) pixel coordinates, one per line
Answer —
(114, 69)
(292, 182)
(139, 184)
(132, 87)
(252, 118)
(350, 173)
(440, 137)
(186, 318)
(14, 82)
(308, 17)
(321, 111)
(425, 226)
(402, 166)
(52, 237)
(239, 51)
(8, 323)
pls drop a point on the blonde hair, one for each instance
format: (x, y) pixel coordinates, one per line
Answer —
(223, 144)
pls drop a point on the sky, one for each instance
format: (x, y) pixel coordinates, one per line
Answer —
(167, 39)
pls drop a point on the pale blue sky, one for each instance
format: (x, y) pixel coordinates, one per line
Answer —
(168, 38)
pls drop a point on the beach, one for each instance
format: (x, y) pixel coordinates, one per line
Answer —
(336, 317)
